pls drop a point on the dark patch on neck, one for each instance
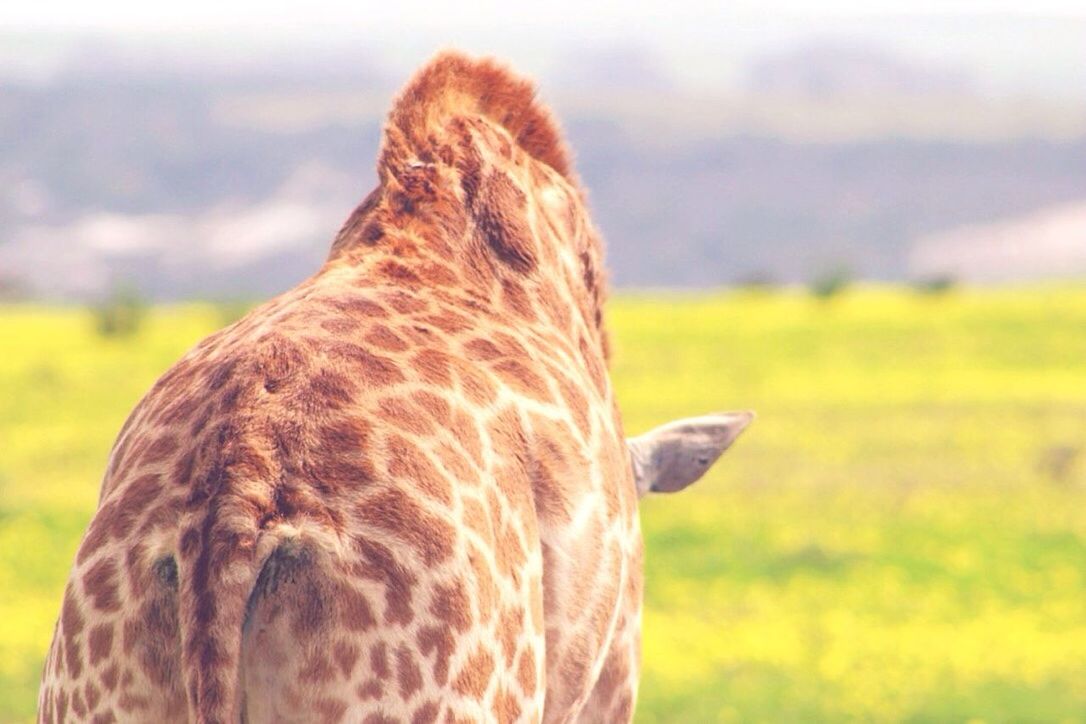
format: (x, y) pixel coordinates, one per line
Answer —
(499, 212)
(505, 247)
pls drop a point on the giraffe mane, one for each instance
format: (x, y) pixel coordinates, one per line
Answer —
(454, 84)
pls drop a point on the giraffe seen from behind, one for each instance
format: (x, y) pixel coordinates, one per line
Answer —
(400, 491)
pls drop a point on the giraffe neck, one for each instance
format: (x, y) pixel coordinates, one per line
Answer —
(476, 220)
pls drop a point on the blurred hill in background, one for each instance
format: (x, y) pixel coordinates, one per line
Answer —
(196, 172)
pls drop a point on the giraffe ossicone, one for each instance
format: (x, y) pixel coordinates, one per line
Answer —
(400, 491)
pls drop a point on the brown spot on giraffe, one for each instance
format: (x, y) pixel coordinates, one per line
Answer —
(409, 677)
(474, 675)
(401, 490)
(100, 585)
(379, 661)
(99, 643)
(346, 656)
(425, 714)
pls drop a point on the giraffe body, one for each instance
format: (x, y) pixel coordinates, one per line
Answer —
(399, 491)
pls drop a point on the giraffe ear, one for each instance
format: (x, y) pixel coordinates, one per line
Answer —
(669, 458)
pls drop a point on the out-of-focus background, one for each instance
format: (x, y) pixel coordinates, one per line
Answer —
(868, 224)
(215, 158)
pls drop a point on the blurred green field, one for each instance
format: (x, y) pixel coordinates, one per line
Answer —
(894, 539)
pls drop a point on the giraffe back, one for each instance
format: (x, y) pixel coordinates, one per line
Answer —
(397, 492)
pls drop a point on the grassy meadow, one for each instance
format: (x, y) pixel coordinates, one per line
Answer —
(901, 535)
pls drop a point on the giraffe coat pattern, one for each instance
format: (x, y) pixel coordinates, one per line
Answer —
(397, 492)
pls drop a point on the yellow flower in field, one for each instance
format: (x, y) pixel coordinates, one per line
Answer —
(880, 547)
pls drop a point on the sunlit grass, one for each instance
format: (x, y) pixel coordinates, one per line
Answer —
(883, 544)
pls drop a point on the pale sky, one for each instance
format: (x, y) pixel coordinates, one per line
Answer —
(136, 15)
(1017, 45)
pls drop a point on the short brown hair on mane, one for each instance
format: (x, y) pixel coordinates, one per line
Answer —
(454, 84)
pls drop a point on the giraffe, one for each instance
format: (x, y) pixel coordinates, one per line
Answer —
(400, 491)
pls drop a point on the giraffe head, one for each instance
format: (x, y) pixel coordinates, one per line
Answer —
(670, 457)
